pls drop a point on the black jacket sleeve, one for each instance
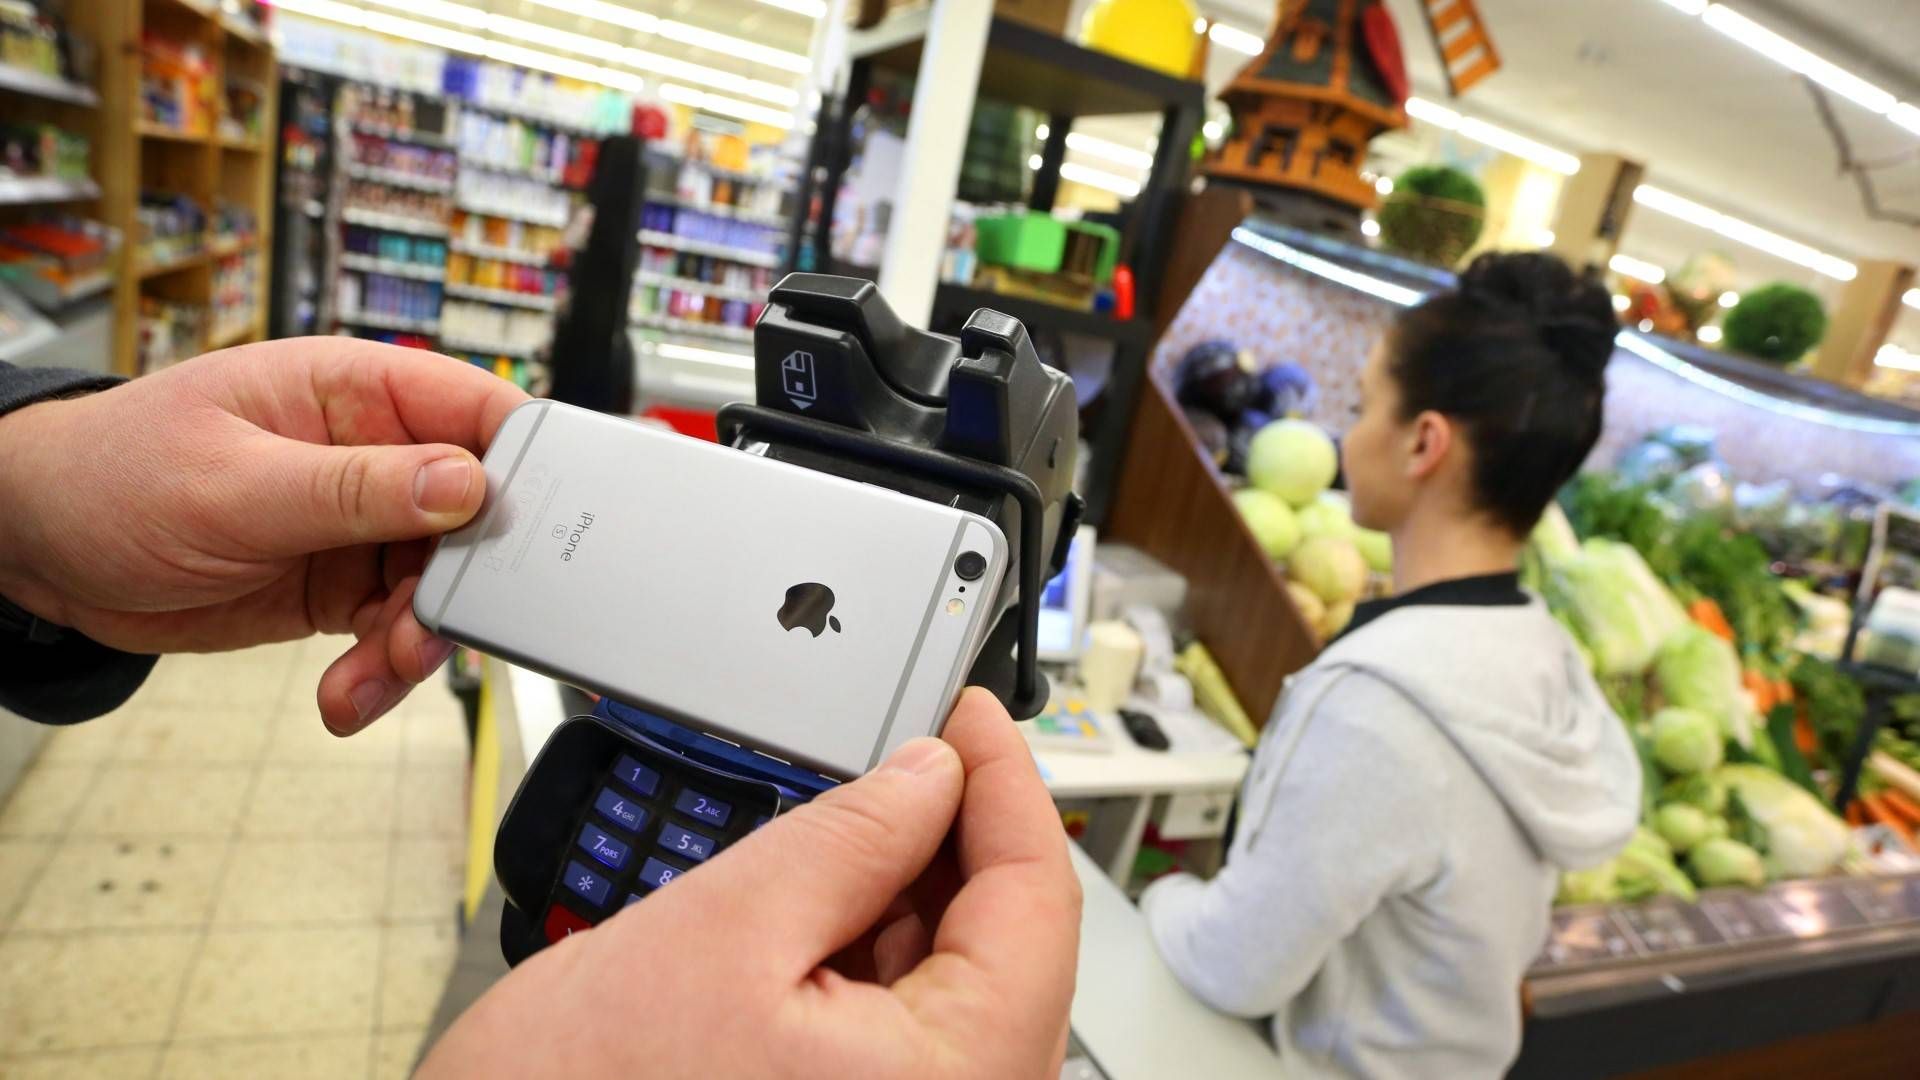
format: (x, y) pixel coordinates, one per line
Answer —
(50, 674)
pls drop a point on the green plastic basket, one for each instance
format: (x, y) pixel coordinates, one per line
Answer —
(1024, 241)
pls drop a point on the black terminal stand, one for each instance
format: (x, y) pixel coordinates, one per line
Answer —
(621, 801)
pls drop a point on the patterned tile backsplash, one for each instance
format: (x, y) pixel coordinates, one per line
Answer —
(1283, 313)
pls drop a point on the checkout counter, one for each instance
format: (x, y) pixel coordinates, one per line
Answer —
(1131, 1018)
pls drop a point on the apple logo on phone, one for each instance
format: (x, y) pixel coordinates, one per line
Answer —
(808, 604)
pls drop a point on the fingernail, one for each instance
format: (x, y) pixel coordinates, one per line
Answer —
(922, 755)
(433, 652)
(373, 698)
(440, 487)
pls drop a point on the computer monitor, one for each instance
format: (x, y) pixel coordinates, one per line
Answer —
(1064, 603)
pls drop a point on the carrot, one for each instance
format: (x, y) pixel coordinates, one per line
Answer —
(1898, 802)
(1803, 737)
(1878, 811)
(1854, 814)
(1707, 613)
(1759, 688)
(1783, 690)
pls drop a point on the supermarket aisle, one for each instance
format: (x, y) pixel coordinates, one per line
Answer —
(208, 884)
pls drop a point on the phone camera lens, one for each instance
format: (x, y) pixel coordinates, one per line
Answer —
(970, 565)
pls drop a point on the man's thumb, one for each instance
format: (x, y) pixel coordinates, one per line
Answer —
(815, 879)
(336, 496)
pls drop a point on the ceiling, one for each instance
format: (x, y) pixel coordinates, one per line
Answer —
(1712, 120)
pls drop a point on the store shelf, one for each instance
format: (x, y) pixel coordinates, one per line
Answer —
(169, 266)
(242, 144)
(163, 133)
(1035, 69)
(220, 249)
(509, 213)
(396, 178)
(368, 264)
(409, 135)
(522, 172)
(398, 323)
(231, 336)
(502, 254)
(507, 297)
(21, 191)
(959, 301)
(21, 81)
(744, 256)
(466, 345)
(373, 219)
(47, 296)
(719, 210)
(719, 171)
(703, 288)
(690, 328)
(528, 116)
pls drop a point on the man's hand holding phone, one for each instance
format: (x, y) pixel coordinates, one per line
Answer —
(853, 936)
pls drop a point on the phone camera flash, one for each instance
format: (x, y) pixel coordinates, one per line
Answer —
(956, 605)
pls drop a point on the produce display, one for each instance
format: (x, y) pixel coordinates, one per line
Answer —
(1663, 573)
(1778, 323)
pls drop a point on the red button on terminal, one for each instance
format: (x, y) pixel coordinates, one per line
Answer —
(562, 922)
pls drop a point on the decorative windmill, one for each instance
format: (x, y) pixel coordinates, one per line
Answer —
(1330, 79)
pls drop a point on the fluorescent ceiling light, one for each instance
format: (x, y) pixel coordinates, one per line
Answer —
(726, 43)
(812, 9)
(1109, 151)
(1543, 238)
(1897, 358)
(1314, 264)
(330, 10)
(1691, 7)
(1497, 137)
(605, 12)
(1621, 303)
(1240, 41)
(672, 351)
(1105, 181)
(1912, 298)
(687, 71)
(1639, 269)
(1907, 116)
(726, 106)
(1784, 52)
(1709, 334)
(445, 11)
(1751, 235)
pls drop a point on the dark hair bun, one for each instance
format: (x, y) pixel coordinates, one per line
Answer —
(1572, 314)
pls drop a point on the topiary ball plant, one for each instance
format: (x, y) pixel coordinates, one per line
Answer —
(1777, 323)
(1435, 214)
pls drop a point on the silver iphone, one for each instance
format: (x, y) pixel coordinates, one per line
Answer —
(805, 616)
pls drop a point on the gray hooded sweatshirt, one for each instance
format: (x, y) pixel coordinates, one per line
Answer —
(1400, 831)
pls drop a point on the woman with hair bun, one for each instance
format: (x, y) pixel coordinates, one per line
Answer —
(1422, 784)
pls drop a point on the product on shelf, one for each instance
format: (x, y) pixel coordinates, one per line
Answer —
(510, 330)
(236, 292)
(516, 91)
(484, 273)
(399, 114)
(31, 41)
(169, 333)
(510, 144)
(356, 54)
(524, 241)
(176, 84)
(378, 198)
(245, 112)
(514, 197)
(42, 151)
(234, 224)
(384, 297)
(414, 251)
(713, 231)
(404, 159)
(52, 259)
(168, 227)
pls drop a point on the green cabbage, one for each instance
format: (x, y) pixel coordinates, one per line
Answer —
(1727, 862)
(1709, 793)
(1803, 837)
(1642, 875)
(1598, 885)
(1615, 604)
(1553, 537)
(1686, 741)
(1682, 825)
(1701, 671)
(1331, 567)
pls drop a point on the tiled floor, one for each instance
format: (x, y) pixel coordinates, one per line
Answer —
(207, 884)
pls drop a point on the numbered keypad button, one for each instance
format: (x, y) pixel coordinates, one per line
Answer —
(703, 807)
(603, 847)
(621, 810)
(685, 842)
(588, 884)
(657, 873)
(635, 776)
